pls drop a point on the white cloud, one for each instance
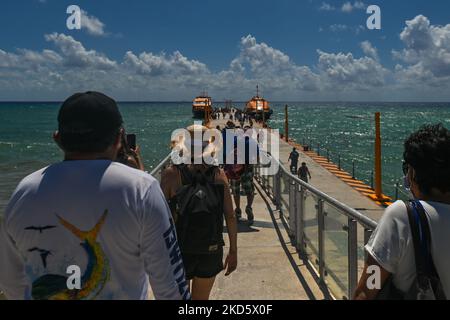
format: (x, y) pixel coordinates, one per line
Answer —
(67, 66)
(348, 7)
(344, 28)
(344, 71)
(92, 24)
(162, 64)
(75, 55)
(338, 27)
(272, 67)
(326, 7)
(426, 53)
(360, 5)
(369, 49)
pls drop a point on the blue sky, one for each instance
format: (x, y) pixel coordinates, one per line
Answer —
(172, 50)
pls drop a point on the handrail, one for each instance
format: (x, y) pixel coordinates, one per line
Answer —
(161, 165)
(370, 179)
(350, 212)
(297, 193)
(311, 240)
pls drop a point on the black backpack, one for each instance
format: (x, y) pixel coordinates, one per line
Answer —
(200, 211)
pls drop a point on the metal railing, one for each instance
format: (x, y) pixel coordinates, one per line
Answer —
(156, 172)
(396, 191)
(330, 234)
(327, 232)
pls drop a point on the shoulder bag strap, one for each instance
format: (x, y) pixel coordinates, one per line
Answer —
(419, 257)
(425, 226)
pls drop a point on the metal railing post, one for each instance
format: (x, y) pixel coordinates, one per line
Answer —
(263, 180)
(276, 190)
(353, 169)
(292, 210)
(339, 162)
(300, 196)
(352, 256)
(321, 234)
(367, 234)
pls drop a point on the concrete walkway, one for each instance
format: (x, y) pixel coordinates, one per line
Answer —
(268, 266)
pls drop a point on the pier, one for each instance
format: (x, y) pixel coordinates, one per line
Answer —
(307, 239)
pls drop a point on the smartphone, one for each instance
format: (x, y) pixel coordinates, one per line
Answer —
(131, 141)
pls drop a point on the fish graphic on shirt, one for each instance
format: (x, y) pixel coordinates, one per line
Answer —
(54, 287)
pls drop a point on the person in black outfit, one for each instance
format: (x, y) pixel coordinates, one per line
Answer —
(293, 158)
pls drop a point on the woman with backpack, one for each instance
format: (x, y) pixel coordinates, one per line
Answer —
(199, 198)
(408, 256)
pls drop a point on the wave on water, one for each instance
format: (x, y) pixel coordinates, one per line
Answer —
(345, 130)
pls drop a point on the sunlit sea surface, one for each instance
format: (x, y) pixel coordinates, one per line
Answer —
(345, 129)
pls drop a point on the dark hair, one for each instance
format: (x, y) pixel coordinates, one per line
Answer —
(88, 143)
(428, 152)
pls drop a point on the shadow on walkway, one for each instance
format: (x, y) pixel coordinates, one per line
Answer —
(291, 255)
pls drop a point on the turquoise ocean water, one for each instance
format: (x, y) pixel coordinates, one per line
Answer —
(345, 129)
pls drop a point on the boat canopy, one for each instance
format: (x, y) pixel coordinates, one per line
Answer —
(258, 104)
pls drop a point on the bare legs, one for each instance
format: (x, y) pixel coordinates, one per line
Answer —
(201, 288)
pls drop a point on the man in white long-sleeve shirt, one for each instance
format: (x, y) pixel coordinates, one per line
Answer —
(89, 227)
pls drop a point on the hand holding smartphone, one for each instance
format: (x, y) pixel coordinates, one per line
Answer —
(131, 141)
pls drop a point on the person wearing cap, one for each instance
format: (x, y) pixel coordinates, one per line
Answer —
(89, 227)
(240, 171)
(202, 268)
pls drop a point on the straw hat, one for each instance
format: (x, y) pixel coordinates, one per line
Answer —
(209, 149)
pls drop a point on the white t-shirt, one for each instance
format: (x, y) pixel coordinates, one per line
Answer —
(110, 220)
(391, 244)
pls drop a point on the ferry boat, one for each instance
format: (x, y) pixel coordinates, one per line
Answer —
(258, 107)
(201, 105)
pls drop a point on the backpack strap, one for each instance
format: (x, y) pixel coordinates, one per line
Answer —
(417, 237)
(186, 176)
(210, 174)
(425, 227)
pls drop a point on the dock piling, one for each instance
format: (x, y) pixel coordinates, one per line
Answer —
(378, 190)
(353, 169)
(286, 123)
(371, 179)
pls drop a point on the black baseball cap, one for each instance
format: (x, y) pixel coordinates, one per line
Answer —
(87, 116)
(89, 113)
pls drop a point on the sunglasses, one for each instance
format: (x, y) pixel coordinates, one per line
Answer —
(405, 168)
